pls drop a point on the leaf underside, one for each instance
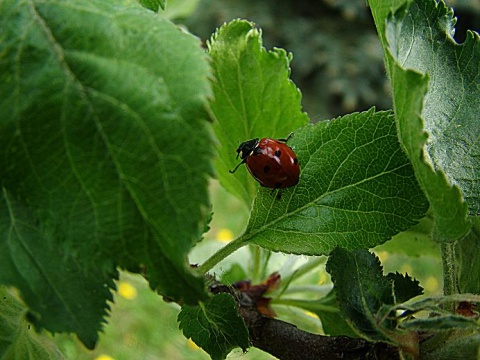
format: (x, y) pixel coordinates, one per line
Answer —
(437, 112)
(105, 158)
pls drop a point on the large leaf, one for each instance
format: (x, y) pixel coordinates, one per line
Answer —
(215, 325)
(105, 154)
(357, 189)
(254, 97)
(437, 113)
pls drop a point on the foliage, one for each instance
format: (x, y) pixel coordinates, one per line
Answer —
(338, 70)
(215, 325)
(105, 160)
(107, 155)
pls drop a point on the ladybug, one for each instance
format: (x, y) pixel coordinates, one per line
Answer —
(271, 162)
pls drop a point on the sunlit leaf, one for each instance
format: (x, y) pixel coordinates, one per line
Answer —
(357, 189)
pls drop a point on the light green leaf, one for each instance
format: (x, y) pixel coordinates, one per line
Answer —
(215, 326)
(436, 113)
(18, 340)
(105, 155)
(253, 97)
(356, 189)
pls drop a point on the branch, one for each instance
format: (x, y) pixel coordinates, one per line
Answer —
(287, 342)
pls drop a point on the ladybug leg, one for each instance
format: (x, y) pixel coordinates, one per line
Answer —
(279, 193)
(236, 167)
(285, 140)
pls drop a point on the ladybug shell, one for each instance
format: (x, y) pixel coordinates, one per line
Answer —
(273, 164)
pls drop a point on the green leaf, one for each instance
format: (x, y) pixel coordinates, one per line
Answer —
(361, 290)
(441, 323)
(233, 274)
(154, 4)
(105, 152)
(329, 313)
(253, 97)
(468, 250)
(17, 338)
(60, 295)
(434, 305)
(215, 326)
(436, 113)
(458, 345)
(404, 286)
(357, 189)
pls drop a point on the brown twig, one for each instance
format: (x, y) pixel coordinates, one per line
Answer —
(287, 342)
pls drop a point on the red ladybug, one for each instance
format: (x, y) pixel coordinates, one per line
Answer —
(271, 162)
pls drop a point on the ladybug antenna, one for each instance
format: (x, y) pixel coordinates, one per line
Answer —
(236, 167)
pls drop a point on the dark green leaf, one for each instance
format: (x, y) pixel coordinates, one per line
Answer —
(215, 326)
(254, 97)
(356, 189)
(404, 287)
(154, 4)
(361, 290)
(105, 152)
(18, 340)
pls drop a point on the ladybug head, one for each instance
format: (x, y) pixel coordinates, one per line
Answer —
(246, 148)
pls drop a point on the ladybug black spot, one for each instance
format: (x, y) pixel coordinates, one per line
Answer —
(278, 153)
(266, 169)
(295, 161)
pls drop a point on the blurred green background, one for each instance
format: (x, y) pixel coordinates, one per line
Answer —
(338, 65)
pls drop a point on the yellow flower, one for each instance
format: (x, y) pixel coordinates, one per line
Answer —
(127, 291)
(406, 269)
(224, 235)
(431, 284)
(104, 357)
